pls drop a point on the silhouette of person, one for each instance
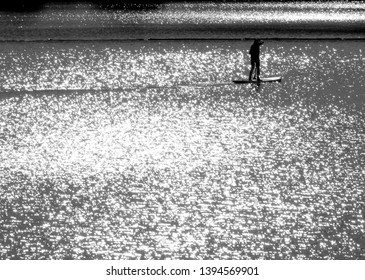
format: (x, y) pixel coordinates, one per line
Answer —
(255, 59)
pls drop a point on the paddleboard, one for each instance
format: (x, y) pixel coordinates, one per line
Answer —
(263, 80)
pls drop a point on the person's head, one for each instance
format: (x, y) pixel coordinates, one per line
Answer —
(258, 42)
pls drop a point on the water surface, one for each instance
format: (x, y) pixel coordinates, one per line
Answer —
(188, 20)
(145, 150)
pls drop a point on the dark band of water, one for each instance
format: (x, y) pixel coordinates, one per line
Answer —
(186, 39)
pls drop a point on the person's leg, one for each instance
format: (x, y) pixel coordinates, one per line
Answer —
(251, 71)
(258, 70)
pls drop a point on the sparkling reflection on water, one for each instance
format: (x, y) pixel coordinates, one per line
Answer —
(86, 14)
(146, 150)
(188, 20)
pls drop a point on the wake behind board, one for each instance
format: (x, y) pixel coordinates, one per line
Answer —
(263, 80)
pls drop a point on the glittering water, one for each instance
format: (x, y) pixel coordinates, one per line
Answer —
(142, 150)
(331, 19)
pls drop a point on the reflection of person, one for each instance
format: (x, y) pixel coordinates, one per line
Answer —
(255, 59)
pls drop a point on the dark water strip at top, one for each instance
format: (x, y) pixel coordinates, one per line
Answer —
(184, 39)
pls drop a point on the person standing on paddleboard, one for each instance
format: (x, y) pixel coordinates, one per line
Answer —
(255, 59)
